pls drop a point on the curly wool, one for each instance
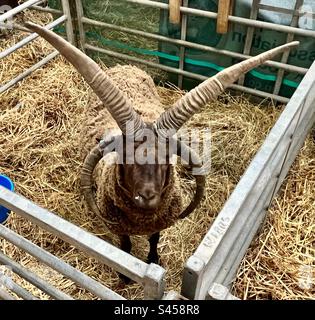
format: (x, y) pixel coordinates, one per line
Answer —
(117, 206)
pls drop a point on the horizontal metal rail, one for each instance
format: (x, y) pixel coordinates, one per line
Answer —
(185, 73)
(65, 18)
(28, 71)
(4, 295)
(218, 256)
(151, 276)
(17, 289)
(9, 14)
(33, 279)
(31, 37)
(76, 276)
(46, 9)
(234, 19)
(286, 11)
(193, 45)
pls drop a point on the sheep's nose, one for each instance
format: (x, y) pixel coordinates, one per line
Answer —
(147, 199)
(147, 194)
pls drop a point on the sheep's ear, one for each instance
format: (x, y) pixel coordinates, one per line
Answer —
(209, 90)
(115, 101)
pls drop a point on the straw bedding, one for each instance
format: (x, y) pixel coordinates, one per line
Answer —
(39, 134)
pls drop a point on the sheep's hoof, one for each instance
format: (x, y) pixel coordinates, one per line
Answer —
(124, 279)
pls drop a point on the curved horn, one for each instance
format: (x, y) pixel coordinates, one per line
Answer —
(89, 164)
(117, 104)
(194, 161)
(209, 90)
(88, 167)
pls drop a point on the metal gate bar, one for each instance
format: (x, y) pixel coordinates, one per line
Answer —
(33, 279)
(31, 37)
(188, 44)
(15, 288)
(250, 35)
(28, 71)
(234, 19)
(182, 49)
(76, 276)
(151, 276)
(183, 44)
(65, 18)
(4, 295)
(185, 73)
(218, 256)
(290, 37)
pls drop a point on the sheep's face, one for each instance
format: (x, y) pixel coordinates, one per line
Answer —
(146, 183)
(148, 175)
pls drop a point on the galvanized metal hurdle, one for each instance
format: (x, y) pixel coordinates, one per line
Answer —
(150, 276)
(213, 265)
(34, 4)
(210, 271)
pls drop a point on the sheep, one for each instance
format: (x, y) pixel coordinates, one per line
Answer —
(140, 198)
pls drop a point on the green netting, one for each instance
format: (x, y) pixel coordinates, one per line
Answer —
(199, 30)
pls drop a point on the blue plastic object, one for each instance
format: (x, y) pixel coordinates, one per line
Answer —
(8, 184)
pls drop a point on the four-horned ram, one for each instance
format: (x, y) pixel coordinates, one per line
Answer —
(136, 197)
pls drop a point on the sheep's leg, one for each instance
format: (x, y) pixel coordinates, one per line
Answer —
(125, 245)
(153, 256)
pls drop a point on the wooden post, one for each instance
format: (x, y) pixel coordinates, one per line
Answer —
(224, 10)
(175, 11)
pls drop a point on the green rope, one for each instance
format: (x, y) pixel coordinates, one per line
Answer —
(199, 63)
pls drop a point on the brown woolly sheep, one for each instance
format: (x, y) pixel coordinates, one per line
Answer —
(140, 197)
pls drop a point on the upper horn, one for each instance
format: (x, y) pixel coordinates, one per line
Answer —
(116, 102)
(209, 90)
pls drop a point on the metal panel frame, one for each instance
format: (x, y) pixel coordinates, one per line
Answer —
(218, 256)
(150, 276)
(211, 269)
(65, 18)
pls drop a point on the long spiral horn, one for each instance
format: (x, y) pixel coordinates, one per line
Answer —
(209, 90)
(114, 100)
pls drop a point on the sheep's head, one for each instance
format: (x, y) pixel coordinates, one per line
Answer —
(145, 181)
(145, 172)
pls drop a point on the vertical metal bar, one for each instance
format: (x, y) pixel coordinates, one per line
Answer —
(250, 35)
(182, 49)
(69, 27)
(154, 283)
(80, 15)
(290, 37)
